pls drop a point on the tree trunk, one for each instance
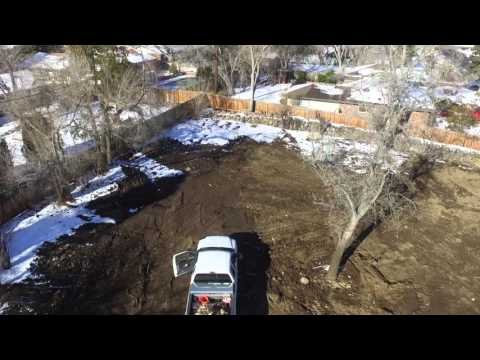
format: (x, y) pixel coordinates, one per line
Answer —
(345, 241)
(5, 263)
(107, 133)
(339, 54)
(11, 71)
(253, 86)
(108, 148)
(252, 100)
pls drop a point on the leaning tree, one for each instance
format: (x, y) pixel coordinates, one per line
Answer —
(380, 187)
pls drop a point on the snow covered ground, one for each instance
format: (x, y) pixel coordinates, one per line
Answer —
(267, 93)
(221, 132)
(13, 136)
(24, 76)
(72, 144)
(42, 60)
(23, 79)
(29, 230)
(329, 89)
(474, 130)
(353, 154)
(372, 89)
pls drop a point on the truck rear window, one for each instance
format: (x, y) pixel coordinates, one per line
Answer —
(212, 278)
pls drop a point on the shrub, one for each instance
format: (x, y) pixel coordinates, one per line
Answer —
(443, 105)
(300, 77)
(328, 77)
(459, 118)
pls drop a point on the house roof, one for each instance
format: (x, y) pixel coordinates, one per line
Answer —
(316, 93)
(141, 53)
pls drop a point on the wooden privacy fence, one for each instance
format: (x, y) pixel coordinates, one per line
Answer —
(418, 127)
(219, 102)
(176, 96)
(417, 121)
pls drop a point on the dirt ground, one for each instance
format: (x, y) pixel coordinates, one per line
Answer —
(263, 196)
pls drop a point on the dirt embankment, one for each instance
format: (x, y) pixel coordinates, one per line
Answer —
(264, 195)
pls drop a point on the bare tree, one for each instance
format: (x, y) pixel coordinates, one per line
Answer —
(379, 188)
(341, 53)
(41, 122)
(254, 55)
(323, 52)
(289, 53)
(229, 65)
(100, 75)
(10, 57)
(360, 54)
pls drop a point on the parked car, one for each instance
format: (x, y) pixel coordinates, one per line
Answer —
(213, 284)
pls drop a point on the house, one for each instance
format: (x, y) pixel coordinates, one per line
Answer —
(355, 101)
(328, 98)
(152, 59)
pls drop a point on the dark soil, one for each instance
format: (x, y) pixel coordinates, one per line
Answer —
(262, 195)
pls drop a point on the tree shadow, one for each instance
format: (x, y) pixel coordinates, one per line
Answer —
(358, 241)
(253, 264)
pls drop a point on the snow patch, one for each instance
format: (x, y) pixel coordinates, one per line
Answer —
(42, 60)
(221, 132)
(329, 89)
(474, 130)
(152, 168)
(72, 144)
(3, 308)
(267, 93)
(29, 230)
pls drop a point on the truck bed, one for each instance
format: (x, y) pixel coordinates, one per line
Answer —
(210, 304)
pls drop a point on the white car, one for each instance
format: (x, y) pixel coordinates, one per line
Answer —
(213, 284)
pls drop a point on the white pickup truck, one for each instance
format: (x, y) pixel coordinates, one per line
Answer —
(214, 268)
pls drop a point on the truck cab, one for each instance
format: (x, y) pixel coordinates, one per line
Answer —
(213, 283)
